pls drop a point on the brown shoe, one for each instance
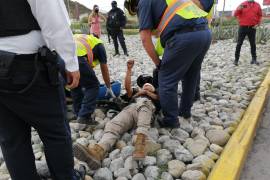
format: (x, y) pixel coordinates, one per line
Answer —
(140, 152)
(92, 156)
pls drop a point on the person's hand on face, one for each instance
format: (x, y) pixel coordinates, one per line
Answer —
(149, 87)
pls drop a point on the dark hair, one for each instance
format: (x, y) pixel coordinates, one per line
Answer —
(142, 79)
(131, 6)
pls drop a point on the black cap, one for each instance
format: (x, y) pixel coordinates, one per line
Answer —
(114, 3)
(142, 79)
(131, 6)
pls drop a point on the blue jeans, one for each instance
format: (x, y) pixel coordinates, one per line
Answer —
(85, 95)
(182, 59)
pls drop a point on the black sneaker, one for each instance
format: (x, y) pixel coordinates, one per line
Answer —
(255, 62)
(87, 121)
(163, 124)
(235, 63)
(80, 172)
(126, 54)
(117, 53)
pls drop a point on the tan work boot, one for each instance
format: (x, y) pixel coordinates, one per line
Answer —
(92, 156)
(139, 153)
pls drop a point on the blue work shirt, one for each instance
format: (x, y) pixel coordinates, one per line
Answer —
(207, 5)
(99, 53)
(150, 13)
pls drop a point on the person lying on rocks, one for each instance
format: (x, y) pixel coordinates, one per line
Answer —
(139, 113)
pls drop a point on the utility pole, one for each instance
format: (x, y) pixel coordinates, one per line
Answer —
(68, 6)
(222, 14)
(77, 10)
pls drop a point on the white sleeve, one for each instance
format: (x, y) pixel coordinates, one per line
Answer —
(53, 20)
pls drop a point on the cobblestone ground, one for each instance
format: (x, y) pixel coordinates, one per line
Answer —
(187, 153)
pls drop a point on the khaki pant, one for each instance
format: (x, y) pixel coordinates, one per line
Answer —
(136, 114)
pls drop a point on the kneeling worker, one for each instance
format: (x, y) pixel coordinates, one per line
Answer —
(138, 114)
(90, 52)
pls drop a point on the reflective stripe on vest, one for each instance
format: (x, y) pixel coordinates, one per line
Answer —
(83, 40)
(209, 17)
(184, 8)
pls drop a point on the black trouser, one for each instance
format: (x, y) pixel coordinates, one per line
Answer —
(118, 34)
(41, 107)
(242, 33)
(84, 96)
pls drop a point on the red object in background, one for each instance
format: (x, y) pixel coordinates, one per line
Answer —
(266, 2)
(248, 13)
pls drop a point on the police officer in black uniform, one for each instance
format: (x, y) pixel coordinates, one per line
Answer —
(31, 91)
(115, 23)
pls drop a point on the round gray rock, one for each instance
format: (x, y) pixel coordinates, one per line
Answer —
(163, 157)
(166, 176)
(219, 137)
(117, 164)
(149, 161)
(193, 175)
(151, 172)
(176, 168)
(138, 176)
(103, 174)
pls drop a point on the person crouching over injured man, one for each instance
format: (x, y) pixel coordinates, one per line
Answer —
(139, 113)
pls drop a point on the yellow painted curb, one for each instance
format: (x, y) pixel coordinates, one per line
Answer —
(232, 159)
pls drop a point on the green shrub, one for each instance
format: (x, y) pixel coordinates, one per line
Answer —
(231, 32)
(84, 20)
(76, 25)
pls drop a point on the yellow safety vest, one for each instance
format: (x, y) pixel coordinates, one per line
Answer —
(159, 48)
(85, 44)
(184, 8)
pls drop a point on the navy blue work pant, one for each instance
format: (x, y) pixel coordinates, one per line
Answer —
(43, 108)
(182, 59)
(85, 95)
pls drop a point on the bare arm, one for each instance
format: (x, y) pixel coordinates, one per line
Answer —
(150, 94)
(89, 20)
(198, 3)
(154, 96)
(149, 46)
(128, 88)
(102, 17)
(105, 74)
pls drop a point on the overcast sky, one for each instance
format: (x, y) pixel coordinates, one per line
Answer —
(105, 5)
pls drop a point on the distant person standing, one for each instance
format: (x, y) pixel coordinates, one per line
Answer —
(249, 15)
(94, 21)
(115, 23)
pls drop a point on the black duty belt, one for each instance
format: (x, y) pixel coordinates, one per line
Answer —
(191, 29)
(44, 60)
(184, 30)
(27, 62)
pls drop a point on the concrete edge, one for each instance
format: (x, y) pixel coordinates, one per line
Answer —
(232, 159)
